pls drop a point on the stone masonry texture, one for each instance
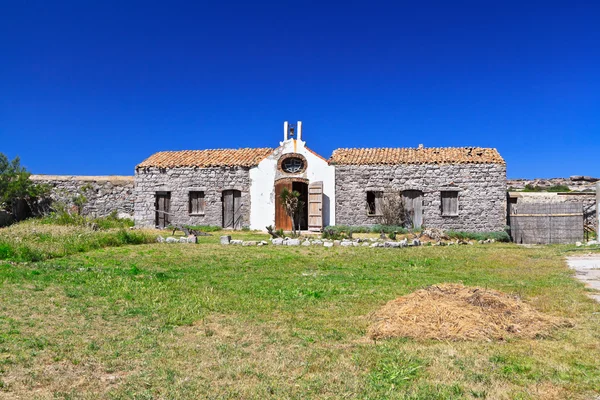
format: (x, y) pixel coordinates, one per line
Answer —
(481, 198)
(104, 194)
(179, 182)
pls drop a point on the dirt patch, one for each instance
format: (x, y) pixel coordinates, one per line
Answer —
(457, 312)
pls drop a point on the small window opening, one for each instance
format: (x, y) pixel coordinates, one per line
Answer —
(374, 203)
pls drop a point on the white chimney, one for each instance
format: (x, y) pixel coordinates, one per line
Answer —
(285, 131)
(299, 130)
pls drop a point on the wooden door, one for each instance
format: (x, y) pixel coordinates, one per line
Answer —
(232, 209)
(237, 209)
(162, 206)
(282, 220)
(413, 204)
(315, 206)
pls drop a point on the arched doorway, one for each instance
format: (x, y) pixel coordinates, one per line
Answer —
(282, 220)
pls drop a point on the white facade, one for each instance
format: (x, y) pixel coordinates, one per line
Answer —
(267, 172)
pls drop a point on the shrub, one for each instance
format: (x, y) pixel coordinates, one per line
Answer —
(337, 232)
(204, 228)
(61, 216)
(17, 189)
(559, 188)
(393, 212)
(501, 236)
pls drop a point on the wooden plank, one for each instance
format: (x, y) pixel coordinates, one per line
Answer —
(228, 209)
(315, 206)
(546, 223)
(413, 203)
(237, 209)
(547, 215)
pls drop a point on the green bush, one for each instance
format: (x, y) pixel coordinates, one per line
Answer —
(559, 188)
(337, 232)
(63, 217)
(501, 236)
(204, 228)
(554, 188)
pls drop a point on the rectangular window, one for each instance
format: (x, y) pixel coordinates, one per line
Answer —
(450, 203)
(196, 206)
(374, 203)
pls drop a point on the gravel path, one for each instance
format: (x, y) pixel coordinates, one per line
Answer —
(587, 270)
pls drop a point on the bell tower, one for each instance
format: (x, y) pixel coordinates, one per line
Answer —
(291, 131)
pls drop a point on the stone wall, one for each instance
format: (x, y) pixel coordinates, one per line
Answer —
(482, 195)
(179, 182)
(104, 194)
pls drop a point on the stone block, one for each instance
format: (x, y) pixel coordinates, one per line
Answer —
(225, 239)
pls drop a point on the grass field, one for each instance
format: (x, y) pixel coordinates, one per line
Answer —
(181, 321)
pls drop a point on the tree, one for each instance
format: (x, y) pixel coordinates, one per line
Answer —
(16, 188)
(292, 204)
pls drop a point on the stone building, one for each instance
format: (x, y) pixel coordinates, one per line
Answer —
(235, 188)
(462, 189)
(450, 188)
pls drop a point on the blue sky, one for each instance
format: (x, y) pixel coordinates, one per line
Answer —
(95, 87)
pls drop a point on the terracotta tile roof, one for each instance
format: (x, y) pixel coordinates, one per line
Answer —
(393, 156)
(206, 158)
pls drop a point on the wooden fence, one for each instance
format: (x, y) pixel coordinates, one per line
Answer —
(546, 223)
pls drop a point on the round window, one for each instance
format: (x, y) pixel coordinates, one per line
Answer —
(292, 165)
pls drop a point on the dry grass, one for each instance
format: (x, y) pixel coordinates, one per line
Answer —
(457, 312)
(163, 321)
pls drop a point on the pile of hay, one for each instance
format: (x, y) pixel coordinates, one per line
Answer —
(456, 312)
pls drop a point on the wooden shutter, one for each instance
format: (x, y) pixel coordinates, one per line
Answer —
(378, 203)
(449, 203)
(196, 203)
(315, 206)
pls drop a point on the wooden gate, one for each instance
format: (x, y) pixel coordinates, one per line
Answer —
(282, 220)
(545, 223)
(162, 205)
(413, 204)
(232, 209)
(315, 206)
